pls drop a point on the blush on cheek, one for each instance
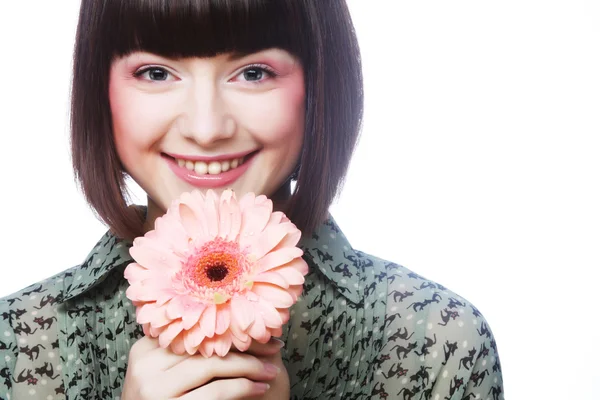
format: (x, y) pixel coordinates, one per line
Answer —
(138, 118)
(279, 114)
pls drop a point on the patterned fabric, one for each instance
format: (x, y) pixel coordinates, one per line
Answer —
(364, 328)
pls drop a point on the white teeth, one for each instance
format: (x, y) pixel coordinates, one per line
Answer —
(201, 168)
(213, 168)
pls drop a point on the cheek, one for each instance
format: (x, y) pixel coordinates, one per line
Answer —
(138, 120)
(276, 116)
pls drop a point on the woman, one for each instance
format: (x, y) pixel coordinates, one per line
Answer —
(256, 96)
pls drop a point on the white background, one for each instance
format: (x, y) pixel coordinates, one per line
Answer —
(478, 165)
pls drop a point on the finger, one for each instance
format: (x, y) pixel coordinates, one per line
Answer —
(228, 389)
(198, 370)
(143, 346)
(163, 359)
(273, 346)
(147, 354)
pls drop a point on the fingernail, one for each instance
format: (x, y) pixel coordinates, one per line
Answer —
(261, 387)
(272, 369)
(279, 342)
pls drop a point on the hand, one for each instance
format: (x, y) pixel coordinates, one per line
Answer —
(154, 373)
(280, 386)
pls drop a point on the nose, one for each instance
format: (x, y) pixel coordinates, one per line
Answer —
(206, 119)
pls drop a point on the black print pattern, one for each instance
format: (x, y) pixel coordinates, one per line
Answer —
(364, 328)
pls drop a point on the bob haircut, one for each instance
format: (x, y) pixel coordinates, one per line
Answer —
(319, 33)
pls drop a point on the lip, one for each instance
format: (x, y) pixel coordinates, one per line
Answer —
(211, 158)
(208, 181)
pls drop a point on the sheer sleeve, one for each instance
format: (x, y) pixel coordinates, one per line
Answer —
(436, 346)
(8, 350)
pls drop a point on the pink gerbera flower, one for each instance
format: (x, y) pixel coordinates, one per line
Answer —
(216, 272)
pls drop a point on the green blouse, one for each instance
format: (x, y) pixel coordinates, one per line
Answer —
(363, 328)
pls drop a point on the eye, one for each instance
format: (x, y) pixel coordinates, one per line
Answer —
(155, 74)
(255, 73)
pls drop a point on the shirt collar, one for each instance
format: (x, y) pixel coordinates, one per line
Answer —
(327, 251)
(109, 253)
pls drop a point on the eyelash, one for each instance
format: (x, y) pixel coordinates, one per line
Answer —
(270, 72)
(142, 71)
(265, 68)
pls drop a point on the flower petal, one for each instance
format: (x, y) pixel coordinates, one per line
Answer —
(223, 319)
(273, 278)
(278, 258)
(146, 329)
(185, 308)
(291, 239)
(171, 233)
(211, 210)
(276, 217)
(175, 308)
(164, 295)
(160, 318)
(242, 312)
(208, 320)
(268, 239)
(291, 275)
(277, 332)
(151, 254)
(140, 293)
(207, 347)
(189, 348)
(178, 345)
(145, 313)
(258, 330)
(167, 336)
(236, 219)
(247, 201)
(137, 293)
(194, 336)
(134, 272)
(222, 344)
(155, 332)
(225, 218)
(284, 313)
(192, 315)
(295, 291)
(235, 330)
(149, 289)
(193, 222)
(269, 313)
(241, 345)
(280, 298)
(255, 215)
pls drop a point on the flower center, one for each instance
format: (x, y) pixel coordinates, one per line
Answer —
(217, 268)
(217, 272)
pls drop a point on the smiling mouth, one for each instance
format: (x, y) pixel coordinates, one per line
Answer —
(212, 167)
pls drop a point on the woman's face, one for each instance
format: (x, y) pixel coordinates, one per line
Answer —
(219, 122)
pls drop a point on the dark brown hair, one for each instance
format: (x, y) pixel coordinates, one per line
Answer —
(319, 32)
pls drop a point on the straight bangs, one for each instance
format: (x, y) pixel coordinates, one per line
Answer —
(193, 28)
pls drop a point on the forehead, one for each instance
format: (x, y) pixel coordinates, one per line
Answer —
(202, 28)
